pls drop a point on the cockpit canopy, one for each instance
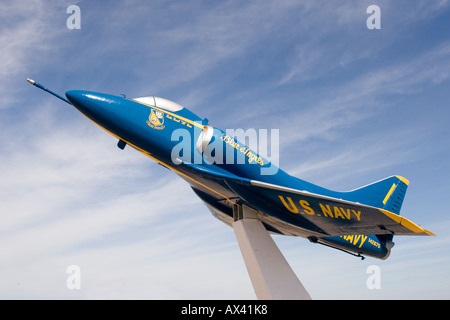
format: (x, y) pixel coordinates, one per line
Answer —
(160, 103)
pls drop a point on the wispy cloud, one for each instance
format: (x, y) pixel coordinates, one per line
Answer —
(367, 95)
(323, 46)
(26, 37)
(77, 199)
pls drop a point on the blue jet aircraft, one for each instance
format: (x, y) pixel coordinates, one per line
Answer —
(361, 222)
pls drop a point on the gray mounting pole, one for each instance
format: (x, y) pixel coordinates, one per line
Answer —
(270, 273)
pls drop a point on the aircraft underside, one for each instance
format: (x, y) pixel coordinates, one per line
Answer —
(224, 204)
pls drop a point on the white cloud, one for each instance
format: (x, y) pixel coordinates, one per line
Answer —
(27, 35)
(366, 95)
(323, 46)
(69, 196)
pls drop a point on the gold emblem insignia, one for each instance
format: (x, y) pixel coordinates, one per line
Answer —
(156, 119)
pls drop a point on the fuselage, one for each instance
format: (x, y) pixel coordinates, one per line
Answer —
(172, 134)
(177, 138)
(178, 135)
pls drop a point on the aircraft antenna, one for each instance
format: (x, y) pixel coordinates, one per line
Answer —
(40, 86)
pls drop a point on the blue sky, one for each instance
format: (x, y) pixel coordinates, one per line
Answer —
(353, 106)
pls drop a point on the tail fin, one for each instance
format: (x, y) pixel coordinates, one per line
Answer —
(394, 198)
(387, 194)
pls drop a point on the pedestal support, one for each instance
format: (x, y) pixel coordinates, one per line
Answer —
(270, 273)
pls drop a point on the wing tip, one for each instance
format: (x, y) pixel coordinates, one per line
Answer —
(415, 228)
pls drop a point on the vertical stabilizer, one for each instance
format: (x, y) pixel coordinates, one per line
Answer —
(387, 194)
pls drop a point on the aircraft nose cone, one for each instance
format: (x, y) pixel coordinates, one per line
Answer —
(86, 101)
(76, 97)
(104, 109)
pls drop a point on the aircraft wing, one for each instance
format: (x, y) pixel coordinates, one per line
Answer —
(335, 217)
(320, 214)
